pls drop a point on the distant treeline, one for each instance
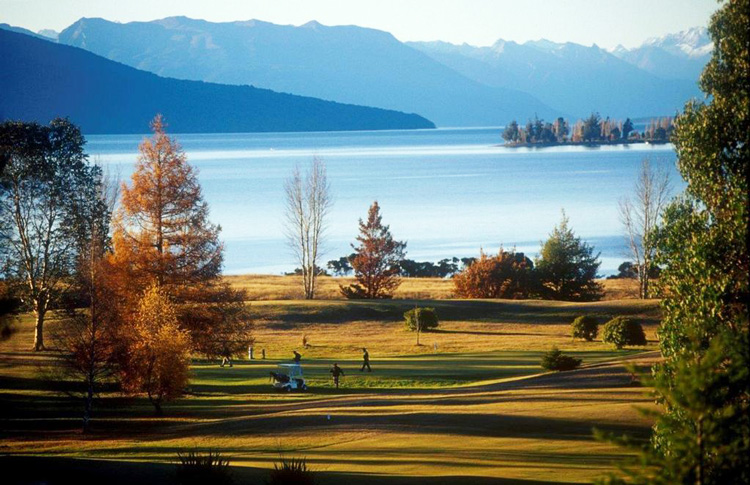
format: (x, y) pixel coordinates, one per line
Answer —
(592, 129)
(407, 268)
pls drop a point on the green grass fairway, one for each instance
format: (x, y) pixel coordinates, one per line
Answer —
(470, 405)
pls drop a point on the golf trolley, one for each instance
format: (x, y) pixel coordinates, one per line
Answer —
(288, 377)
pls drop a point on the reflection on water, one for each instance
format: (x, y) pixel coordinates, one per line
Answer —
(448, 192)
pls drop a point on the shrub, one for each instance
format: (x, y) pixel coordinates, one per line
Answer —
(427, 319)
(622, 331)
(506, 275)
(556, 360)
(292, 470)
(585, 327)
(196, 468)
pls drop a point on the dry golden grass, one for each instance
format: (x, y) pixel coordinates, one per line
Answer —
(274, 287)
(477, 407)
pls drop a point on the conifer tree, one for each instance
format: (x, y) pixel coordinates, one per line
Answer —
(376, 260)
(566, 267)
(162, 236)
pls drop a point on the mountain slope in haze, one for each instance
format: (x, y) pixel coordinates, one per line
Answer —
(344, 63)
(40, 80)
(674, 56)
(569, 77)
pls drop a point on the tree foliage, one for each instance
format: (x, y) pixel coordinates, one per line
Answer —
(505, 275)
(427, 269)
(422, 319)
(557, 361)
(585, 327)
(377, 259)
(86, 336)
(566, 267)
(162, 235)
(158, 350)
(623, 331)
(703, 436)
(703, 249)
(45, 181)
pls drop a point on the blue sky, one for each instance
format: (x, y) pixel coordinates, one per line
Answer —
(478, 22)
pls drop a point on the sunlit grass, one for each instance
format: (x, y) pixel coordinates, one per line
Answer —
(462, 408)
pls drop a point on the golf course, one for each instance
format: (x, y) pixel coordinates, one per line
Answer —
(469, 404)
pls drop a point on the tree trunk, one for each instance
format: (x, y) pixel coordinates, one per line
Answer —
(87, 407)
(39, 329)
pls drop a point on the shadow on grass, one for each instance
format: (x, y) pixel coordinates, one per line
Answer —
(491, 311)
(28, 470)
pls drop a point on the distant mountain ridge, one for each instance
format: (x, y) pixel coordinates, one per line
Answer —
(681, 55)
(569, 77)
(41, 80)
(343, 63)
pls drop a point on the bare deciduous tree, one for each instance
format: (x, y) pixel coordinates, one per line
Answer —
(640, 215)
(308, 202)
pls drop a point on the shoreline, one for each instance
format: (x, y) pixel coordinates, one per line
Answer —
(581, 143)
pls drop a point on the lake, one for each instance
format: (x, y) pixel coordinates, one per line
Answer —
(447, 192)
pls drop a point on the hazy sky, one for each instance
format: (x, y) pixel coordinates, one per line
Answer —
(478, 22)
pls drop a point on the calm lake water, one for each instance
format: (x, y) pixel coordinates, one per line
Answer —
(447, 192)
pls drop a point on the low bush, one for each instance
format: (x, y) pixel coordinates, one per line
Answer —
(199, 468)
(622, 331)
(556, 360)
(291, 471)
(585, 327)
(427, 318)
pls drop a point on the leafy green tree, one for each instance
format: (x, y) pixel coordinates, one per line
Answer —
(585, 327)
(622, 331)
(566, 268)
(341, 266)
(703, 437)
(422, 319)
(45, 183)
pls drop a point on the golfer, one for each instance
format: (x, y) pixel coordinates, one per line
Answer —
(365, 361)
(336, 372)
(297, 357)
(226, 356)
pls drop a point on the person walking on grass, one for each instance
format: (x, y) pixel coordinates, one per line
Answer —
(336, 372)
(226, 356)
(297, 357)
(365, 360)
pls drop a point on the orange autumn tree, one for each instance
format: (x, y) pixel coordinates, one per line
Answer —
(162, 236)
(158, 355)
(505, 275)
(376, 259)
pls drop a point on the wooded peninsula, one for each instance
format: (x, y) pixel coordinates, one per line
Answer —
(592, 130)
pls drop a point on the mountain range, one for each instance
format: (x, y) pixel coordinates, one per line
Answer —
(348, 64)
(654, 79)
(674, 56)
(452, 85)
(41, 80)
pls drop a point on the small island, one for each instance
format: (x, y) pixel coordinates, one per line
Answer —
(590, 131)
